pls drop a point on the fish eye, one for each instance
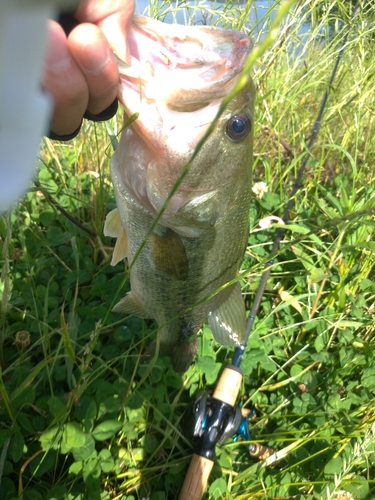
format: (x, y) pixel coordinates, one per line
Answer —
(238, 127)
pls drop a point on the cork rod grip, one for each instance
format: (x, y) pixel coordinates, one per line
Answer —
(196, 478)
(228, 387)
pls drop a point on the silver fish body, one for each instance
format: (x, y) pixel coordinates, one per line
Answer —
(177, 79)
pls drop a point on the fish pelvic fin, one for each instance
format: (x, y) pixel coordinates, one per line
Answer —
(169, 255)
(181, 354)
(113, 227)
(130, 305)
(228, 321)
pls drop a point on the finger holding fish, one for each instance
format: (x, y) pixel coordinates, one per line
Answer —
(81, 72)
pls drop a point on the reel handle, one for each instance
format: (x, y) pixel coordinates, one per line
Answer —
(199, 471)
(260, 451)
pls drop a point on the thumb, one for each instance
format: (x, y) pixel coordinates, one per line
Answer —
(113, 17)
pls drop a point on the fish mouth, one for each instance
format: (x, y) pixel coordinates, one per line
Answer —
(184, 67)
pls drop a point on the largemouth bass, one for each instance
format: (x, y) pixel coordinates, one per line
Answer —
(176, 81)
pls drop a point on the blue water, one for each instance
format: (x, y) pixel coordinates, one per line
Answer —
(199, 12)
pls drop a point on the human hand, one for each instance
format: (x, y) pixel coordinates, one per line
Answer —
(81, 72)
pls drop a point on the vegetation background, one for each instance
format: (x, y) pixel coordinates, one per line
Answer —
(81, 417)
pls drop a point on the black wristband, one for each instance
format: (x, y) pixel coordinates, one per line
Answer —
(68, 137)
(104, 115)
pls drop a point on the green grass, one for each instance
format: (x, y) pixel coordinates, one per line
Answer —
(81, 417)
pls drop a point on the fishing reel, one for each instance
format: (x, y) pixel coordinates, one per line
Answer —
(199, 421)
(210, 422)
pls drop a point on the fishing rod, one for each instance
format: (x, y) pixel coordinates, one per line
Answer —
(216, 417)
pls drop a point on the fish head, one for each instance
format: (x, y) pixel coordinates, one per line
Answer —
(176, 81)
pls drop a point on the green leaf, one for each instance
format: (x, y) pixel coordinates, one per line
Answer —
(47, 217)
(368, 379)
(209, 367)
(218, 488)
(5, 434)
(295, 228)
(91, 470)
(251, 360)
(25, 423)
(358, 487)
(43, 463)
(158, 495)
(56, 236)
(304, 258)
(73, 435)
(316, 275)
(366, 283)
(334, 466)
(319, 343)
(50, 438)
(85, 451)
(27, 381)
(31, 494)
(55, 405)
(8, 489)
(16, 446)
(138, 454)
(91, 414)
(76, 467)
(57, 493)
(346, 323)
(225, 460)
(26, 397)
(8, 468)
(106, 430)
(106, 461)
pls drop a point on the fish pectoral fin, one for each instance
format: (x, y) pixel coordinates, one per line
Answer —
(130, 305)
(112, 224)
(120, 252)
(113, 227)
(203, 208)
(196, 216)
(228, 321)
(169, 255)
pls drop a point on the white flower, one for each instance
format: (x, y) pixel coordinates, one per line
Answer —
(267, 221)
(260, 189)
(345, 495)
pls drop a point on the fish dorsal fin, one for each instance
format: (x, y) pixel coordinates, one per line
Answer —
(130, 305)
(113, 227)
(169, 255)
(228, 321)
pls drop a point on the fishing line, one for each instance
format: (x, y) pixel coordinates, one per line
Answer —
(297, 184)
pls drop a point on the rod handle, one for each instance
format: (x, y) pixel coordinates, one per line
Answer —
(229, 385)
(196, 478)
